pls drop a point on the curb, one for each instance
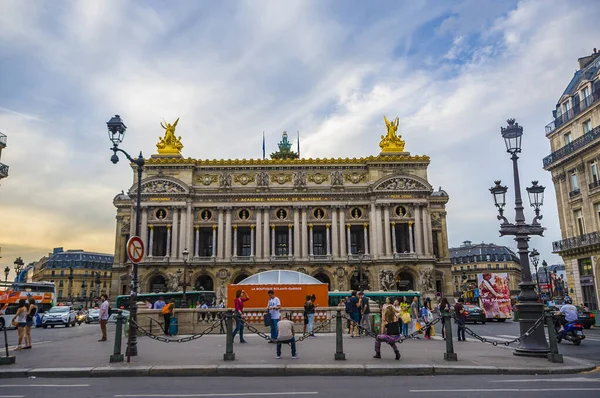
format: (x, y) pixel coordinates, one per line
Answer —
(262, 370)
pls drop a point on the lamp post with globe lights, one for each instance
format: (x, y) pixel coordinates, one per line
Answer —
(18, 267)
(116, 133)
(6, 272)
(530, 309)
(535, 259)
(186, 282)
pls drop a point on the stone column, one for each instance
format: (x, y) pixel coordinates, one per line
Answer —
(334, 233)
(348, 240)
(221, 234)
(235, 240)
(366, 237)
(394, 248)
(150, 241)
(418, 231)
(311, 240)
(343, 244)
(228, 234)
(297, 233)
(444, 252)
(327, 239)
(144, 229)
(168, 253)
(196, 241)
(386, 231)
(133, 222)
(183, 232)
(259, 244)
(304, 233)
(189, 231)
(272, 240)
(373, 235)
(266, 233)
(410, 237)
(214, 241)
(426, 233)
(251, 240)
(379, 241)
(290, 241)
(174, 234)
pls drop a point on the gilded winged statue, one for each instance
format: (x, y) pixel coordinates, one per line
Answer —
(169, 143)
(391, 142)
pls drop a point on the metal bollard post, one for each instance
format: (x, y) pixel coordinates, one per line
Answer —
(8, 359)
(117, 356)
(449, 355)
(339, 338)
(229, 354)
(553, 355)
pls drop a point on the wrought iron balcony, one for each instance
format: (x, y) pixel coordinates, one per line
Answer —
(3, 170)
(573, 146)
(594, 184)
(2, 140)
(593, 238)
(571, 113)
(574, 192)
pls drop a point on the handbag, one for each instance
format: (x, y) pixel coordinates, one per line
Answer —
(267, 319)
(406, 317)
(418, 327)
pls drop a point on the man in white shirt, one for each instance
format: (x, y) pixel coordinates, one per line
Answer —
(273, 306)
(285, 332)
(103, 317)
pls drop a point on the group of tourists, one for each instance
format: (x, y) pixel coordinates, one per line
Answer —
(24, 320)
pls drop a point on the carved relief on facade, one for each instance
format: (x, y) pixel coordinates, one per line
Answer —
(337, 179)
(207, 179)
(205, 215)
(162, 186)
(426, 278)
(401, 212)
(436, 221)
(300, 179)
(262, 179)
(355, 178)
(386, 280)
(302, 270)
(318, 178)
(125, 225)
(281, 178)
(225, 180)
(401, 184)
(243, 179)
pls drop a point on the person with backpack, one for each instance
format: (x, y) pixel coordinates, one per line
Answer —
(167, 312)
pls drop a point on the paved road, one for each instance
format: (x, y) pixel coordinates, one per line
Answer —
(587, 385)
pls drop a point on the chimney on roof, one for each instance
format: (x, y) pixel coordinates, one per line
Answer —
(585, 61)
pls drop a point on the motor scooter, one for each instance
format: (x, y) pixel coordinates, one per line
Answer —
(572, 332)
(80, 319)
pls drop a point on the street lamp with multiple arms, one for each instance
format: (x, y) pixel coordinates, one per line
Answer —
(530, 309)
(185, 283)
(548, 282)
(535, 259)
(116, 132)
(18, 267)
(6, 272)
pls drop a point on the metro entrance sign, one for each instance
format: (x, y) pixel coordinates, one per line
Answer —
(135, 249)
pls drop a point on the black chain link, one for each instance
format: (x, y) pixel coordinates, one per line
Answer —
(402, 337)
(255, 330)
(162, 339)
(321, 326)
(495, 343)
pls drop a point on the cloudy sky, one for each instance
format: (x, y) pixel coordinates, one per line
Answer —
(453, 71)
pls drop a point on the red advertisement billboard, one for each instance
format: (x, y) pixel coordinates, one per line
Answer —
(494, 294)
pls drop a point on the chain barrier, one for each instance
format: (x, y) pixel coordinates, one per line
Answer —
(254, 330)
(298, 340)
(495, 343)
(414, 334)
(321, 326)
(162, 339)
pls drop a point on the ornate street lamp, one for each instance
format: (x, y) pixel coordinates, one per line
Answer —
(70, 277)
(116, 133)
(97, 284)
(535, 259)
(362, 283)
(6, 272)
(185, 283)
(530, 309)
(548, 283)
(18, 267)
(83, 292)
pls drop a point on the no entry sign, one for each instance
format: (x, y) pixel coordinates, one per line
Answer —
(135, 249)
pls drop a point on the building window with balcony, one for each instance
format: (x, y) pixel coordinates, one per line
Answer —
(281, 242)
(580, 222)
(245, 243)
(568, 138)
(566, 107)
(595, 177)
(574, 185)
(319, 242)
(586, 97)
(587, 126)
(598, 214)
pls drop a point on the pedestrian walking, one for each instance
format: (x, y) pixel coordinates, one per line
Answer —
(444, 306)
(459, 313)
(390, 333)
(414, 314)
(240, 298)
(354, 315)
(274, 305)
(30, 321)
(365, 312)
(21, 319)
(309, 315)
(167, 312)
(348, 310)
(285, 335)
(103, 316)
(427, 317)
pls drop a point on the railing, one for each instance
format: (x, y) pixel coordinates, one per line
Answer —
(3, 170)
(573, 146)
(574, 192)
(571, 113)
(594, 184)
(593, 238)
(400, 256)
(2, 139)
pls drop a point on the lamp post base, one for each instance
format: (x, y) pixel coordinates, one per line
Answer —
(530, 311)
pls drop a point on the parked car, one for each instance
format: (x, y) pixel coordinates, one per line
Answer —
(584, 316)
(474, 314)
(113, 317)
(92, 315)
(59, 315)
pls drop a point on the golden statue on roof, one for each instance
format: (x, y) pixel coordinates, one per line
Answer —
(169, 144)
(391, 143)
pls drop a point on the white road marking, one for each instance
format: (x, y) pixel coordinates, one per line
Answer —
(233, 394)
(12, 396)
(567, 379)
(507, 390)
(43, 385)
(14, 347)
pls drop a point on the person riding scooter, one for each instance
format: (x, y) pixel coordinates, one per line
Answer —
(569, 312)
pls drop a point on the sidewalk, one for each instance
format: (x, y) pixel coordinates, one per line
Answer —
(84, 357)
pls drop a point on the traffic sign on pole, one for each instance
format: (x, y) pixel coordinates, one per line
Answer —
(135, 249)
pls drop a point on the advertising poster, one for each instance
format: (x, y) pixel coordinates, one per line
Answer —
(494, 294)
(290, 295)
